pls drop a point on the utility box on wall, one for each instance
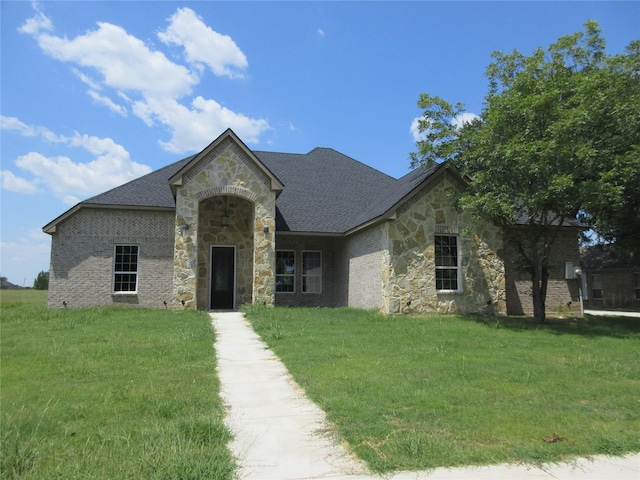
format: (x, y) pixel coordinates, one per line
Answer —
(569, 272)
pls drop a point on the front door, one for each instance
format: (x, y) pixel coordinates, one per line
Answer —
(223, 268)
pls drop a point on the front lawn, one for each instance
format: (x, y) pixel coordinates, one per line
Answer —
(109, 393)
(416, 392)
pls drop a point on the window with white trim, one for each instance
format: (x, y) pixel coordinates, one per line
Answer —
(125, 269)
(447, 260)
(311, 272)
(285, 271)
(636, 285)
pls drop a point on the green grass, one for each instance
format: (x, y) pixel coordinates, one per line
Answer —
(417, 392)
(108, 393)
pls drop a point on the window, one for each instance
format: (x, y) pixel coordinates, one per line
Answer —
(285, 271)
(596, 287)
(311, 272)
(125, 269)
(636, 285)
(447, 263)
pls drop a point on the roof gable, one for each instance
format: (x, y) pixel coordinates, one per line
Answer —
(228, 137)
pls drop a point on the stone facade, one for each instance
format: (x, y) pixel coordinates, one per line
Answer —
(224, 172)
(409, 283)
(82, 257)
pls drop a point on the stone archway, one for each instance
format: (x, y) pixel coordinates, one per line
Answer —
(238, 234)
(225, 169)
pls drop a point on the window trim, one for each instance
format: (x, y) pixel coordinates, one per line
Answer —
(114, 272)
(457, 268)
(306, 275)
(636, 286)
(292, 275)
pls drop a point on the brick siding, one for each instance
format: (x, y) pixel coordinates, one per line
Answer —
(617, 289)
(363, 261)
(330, 296)
(562, 294)
(82, 251)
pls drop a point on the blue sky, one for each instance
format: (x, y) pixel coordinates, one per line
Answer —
(94, 94)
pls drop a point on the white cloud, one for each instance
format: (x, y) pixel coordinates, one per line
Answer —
(93, 85)
(67, 179)
(107, 102)
(12, 123)
(39, 22)
(15, 125)
(17, 184)
(123, 60)
(415, 130)
(466, 117)
(459, 121)
(204, 45)
(152, 84)
(197, 126)
(320, 32)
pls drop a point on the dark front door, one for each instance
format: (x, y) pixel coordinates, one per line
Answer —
(222, 278)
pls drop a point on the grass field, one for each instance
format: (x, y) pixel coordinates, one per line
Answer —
(108, 393)
(416, 392)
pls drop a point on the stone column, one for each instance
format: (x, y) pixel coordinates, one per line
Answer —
(185, 252)
(264, 257)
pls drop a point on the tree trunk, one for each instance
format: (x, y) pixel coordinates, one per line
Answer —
(537, 293)
(539, 278)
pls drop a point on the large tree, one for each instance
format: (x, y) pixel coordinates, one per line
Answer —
(557, 140)
(42, 281)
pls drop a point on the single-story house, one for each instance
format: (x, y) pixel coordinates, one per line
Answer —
(611, 278)
(5, 284)
(230, 226)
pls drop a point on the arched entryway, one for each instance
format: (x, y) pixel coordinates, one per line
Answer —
(225, 252)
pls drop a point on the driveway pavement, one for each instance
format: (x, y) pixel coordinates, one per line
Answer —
(281, 435)
(612, 313)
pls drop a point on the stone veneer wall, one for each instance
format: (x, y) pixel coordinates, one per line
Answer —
(559, 290)
(409, 280)
(82, 256)
(225, 171)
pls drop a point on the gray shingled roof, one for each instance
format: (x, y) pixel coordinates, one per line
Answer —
(325, 190)
(599, 257)
(151, 190)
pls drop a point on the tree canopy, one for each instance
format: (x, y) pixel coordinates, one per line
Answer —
(42, 281)
(558, 139)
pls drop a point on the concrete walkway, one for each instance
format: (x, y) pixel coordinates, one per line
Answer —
(282, 435)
